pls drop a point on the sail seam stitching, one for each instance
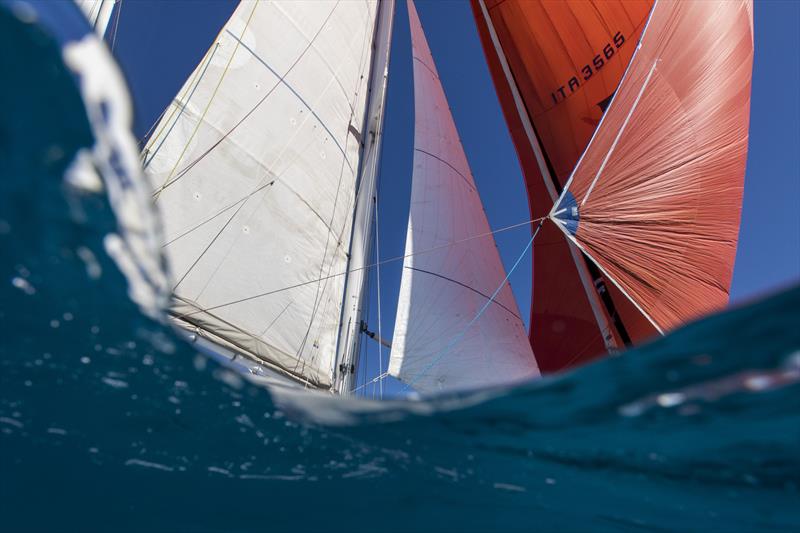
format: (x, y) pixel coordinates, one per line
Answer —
(476, 291)
(466, 180)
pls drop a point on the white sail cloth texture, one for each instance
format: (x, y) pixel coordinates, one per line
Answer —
(253, 167)
(438, 345)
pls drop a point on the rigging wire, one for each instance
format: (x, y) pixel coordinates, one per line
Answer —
(184, 96)
(116, 25)
(539, 220)
(456, 339)
(172, 177)
(378, 275)
(378, 378)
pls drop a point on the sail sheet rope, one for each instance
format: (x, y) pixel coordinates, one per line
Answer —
(458, 337)
(539, 220)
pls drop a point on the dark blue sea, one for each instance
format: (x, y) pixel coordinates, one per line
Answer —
(110, 422)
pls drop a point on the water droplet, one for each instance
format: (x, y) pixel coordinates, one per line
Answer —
(670, 399)
(758, 383)
(115, 383)
(85, 360)
(199, 363)
(93, 268)
(23, 285)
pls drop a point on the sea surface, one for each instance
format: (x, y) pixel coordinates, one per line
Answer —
(109, 421)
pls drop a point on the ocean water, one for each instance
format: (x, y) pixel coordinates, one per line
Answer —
(108, 421)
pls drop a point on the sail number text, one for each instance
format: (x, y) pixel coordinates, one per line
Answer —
(588, 70)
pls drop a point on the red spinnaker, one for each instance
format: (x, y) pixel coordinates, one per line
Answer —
(657, 196)
(564, 60)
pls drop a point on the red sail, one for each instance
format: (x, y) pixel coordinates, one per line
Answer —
(556, 65)
(656, 199)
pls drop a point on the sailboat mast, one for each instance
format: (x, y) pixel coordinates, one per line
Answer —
(595, 301)
(99, 13)
(348, 342)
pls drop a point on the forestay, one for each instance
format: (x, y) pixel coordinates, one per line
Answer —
(253, 167)
(436, 346)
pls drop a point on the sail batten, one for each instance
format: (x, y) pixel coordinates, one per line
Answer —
(457, 323)
(255, 170)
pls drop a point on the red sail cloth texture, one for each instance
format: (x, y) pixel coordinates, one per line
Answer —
(676, 264)
(659, 190)
(546, 45)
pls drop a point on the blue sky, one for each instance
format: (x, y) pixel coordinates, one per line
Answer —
(159, 43)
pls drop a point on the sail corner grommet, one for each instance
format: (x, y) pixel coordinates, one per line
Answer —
(567, 213)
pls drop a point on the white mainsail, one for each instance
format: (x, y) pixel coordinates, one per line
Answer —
(438, 342)
(254, 168)
(98, 12)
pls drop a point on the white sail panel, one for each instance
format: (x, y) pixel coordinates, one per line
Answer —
(253, 167)
(436, 346)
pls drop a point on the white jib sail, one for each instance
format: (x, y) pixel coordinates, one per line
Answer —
(253, 167)
(436, 346)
